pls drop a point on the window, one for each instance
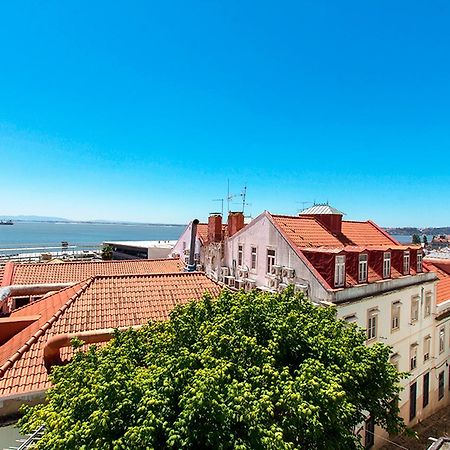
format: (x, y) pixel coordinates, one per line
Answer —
(413, 356)
(369, 433)
(372, 324)
(412, 401)
(339, 271)
(415, 308)
(441, 339)
(426, 389)
(427, 310)
(270, 260)
(240, 255)
(395, 360)
(386, 264)
(419, 261)
(395, 316)
(362, 272)
(426, 348)
(406, 262)
(253, 258)
(441, 385)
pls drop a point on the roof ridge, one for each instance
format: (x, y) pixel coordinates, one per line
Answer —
(93, 262)
(44, 327)
(306, 217)
(153, 275)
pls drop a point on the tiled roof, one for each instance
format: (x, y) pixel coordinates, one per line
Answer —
(78, 271)
(305, 231)
(440, 266)
(202, 232)
(366, 234)
(97, 303)
(443, 290)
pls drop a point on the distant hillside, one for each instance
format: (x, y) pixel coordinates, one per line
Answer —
(409, 231)
(34, 219)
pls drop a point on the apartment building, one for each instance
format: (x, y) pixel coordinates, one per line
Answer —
(372, 279)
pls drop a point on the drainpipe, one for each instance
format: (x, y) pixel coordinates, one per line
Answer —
(192, 266)
(22, 290)
(52, 354)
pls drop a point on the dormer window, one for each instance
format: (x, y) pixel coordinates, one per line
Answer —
(386, 264)
(406, 264)
(362, 272)
(419, 261)
(339, 271)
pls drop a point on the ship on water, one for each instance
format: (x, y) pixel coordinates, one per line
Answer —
(6, 222)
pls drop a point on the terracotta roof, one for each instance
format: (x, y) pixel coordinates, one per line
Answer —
(202, 232)
(305, 231)
(440, 266)
(78, 271)
(443, 290)
(97, 303)
(366, 234)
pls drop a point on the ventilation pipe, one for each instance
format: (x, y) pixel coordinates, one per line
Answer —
(52, 353)
(192, 266)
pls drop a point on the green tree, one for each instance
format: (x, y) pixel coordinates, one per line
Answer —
(244, 371)
(416, 239)
(107, 253)
(425, 240)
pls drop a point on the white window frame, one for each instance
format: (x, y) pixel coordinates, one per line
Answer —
(395, 315)
(372, 324)
(253, 261)
(363, 267)
(271, 259)
(413, 357)
(441, 340)
(240, 254)
(406, 263)
(419, 261)
(414, 308)
(386, 264)
(426, 348)
(339, 271)
(427, 308)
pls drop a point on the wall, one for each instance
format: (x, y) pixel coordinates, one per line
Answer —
(184, 243)
(263, 235)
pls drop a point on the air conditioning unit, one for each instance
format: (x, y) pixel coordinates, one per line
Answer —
(243, 273)
(229, 281)
(288, 272)
(225, 271)
(249, 284)
(301, 288)
(282, 286)
(273, 283)
(239, 284)
(276, 270)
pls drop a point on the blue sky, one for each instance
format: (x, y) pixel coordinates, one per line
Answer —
(142, 110)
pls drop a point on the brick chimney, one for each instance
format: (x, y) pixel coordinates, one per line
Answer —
(215, 227)
(235, 222)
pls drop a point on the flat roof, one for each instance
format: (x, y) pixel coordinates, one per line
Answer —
(143, 244)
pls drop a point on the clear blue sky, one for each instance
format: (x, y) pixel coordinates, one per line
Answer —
(142, 110)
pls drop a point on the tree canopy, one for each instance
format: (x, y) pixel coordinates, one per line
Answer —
(244, 371)
(416, 239)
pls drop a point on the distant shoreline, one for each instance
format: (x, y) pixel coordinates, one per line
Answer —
(95, 222)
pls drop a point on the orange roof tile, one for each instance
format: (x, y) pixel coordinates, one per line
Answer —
(305, 231)
(77, 271)
(366, 234)
(443, 290)
(97, 303)
(202, 232)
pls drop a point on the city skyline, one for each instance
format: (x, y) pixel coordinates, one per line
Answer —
(142, 112)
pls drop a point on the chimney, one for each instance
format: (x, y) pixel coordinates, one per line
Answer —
(215, 227)
(235, 222)
(192, 266)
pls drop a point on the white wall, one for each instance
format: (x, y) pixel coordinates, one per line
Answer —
(184, 243)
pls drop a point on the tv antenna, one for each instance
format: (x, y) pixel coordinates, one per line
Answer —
(221, 200)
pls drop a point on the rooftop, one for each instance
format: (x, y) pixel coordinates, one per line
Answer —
(74, 272)
(321, 208)
(96, 303)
